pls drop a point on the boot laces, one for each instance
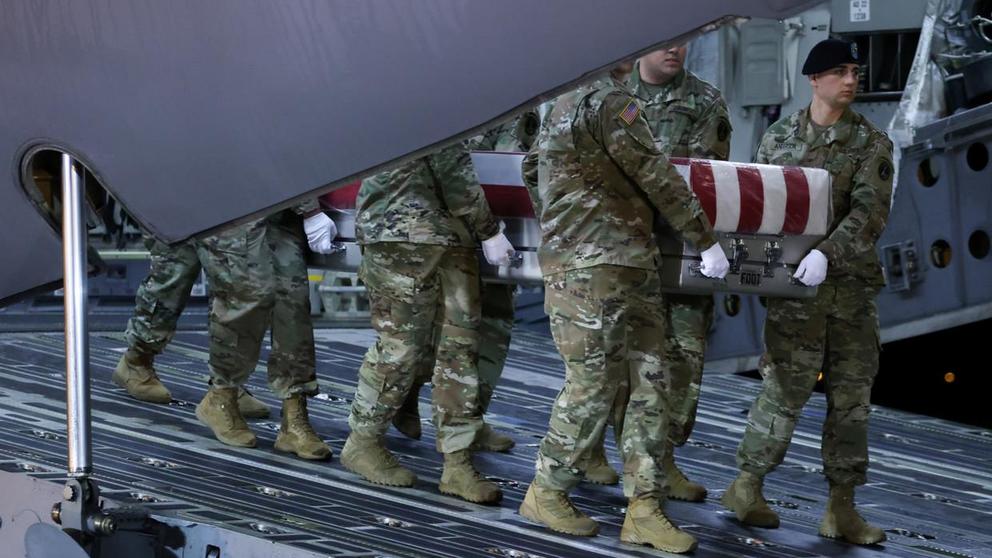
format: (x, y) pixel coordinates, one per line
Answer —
(301, 421)
(663, 518)
(385, 456)
(565, 506)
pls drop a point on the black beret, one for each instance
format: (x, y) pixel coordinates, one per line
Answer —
(828, 54)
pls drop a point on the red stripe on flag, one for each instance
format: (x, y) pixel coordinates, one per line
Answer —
(752, 199)
(704, 186)
(342, 198)
(508, 201)
(796, 201)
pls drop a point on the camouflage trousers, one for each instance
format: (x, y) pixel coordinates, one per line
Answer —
(258, 277)
(410, 287)
(836, 333)
(687, 322)
(495, 329)
(494, 337)
(606, 323)
(162, 295)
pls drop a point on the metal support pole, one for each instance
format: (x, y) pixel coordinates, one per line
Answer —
(77, 352)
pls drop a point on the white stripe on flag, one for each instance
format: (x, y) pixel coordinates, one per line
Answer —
(773, 217)
(819, 201)
(683, 171)
(728, 196)
(501, 169)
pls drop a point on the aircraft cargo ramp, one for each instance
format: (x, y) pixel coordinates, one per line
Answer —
(930, 482)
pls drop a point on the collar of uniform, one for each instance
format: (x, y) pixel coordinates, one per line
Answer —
(839, 131)
(672, 91)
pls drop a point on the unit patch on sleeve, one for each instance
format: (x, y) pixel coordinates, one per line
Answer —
(723, 130)
(885, 170)
(630, 112)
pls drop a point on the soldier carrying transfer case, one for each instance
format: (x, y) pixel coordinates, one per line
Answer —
(597, 179)
(418, 226)
(497, 308)
(837, 331)
(257, 276)
(688, 118)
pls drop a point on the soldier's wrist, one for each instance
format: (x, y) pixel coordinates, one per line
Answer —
(827, 249)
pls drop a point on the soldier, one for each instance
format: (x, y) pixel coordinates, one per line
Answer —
(418, 226)
(688, 118)
(597, 180)
(837, 331)
(160, 300)
(497, 308)
(258, 276)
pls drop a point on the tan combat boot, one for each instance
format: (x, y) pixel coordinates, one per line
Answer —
(680, 487)
(599, 471)
(296, 435)
(407, 419)
(841, 520)
(489, 440)
(134, 373)
(460, 478)
(645, 523)
(369, 458)
(744, 498)
(219, 411)
(554, 510)
(250, 406)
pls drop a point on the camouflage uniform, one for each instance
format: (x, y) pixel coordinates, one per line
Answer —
(688, 118)
(498, 299)
(597, 179)
(162, 295)
(257, 276)
(837, 331)
(498, 304)
(418, 226)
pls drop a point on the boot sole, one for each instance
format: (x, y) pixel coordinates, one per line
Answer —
(496, 500)
(231, 443)
(121, 383)
(525, 512)
(862, 542)
(378, 482)
(745, 520)
(309, 456)
(634, 539)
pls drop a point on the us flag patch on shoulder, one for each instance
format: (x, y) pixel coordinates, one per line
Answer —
(630, 112)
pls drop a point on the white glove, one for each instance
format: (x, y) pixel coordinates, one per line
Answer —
(498, 250)
(813, 269)
(320, 231)
(715, 264)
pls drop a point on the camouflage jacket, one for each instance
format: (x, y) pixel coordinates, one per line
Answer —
(303, 208)
(516, 135)
(435, 199)
(597, 179)
(688, 116)
(859, 158)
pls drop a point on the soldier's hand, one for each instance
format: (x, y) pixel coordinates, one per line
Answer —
(715, 264)
(498, 250)
(812, 269)
(321, 231)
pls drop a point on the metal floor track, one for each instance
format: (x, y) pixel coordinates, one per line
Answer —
(930, 480)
